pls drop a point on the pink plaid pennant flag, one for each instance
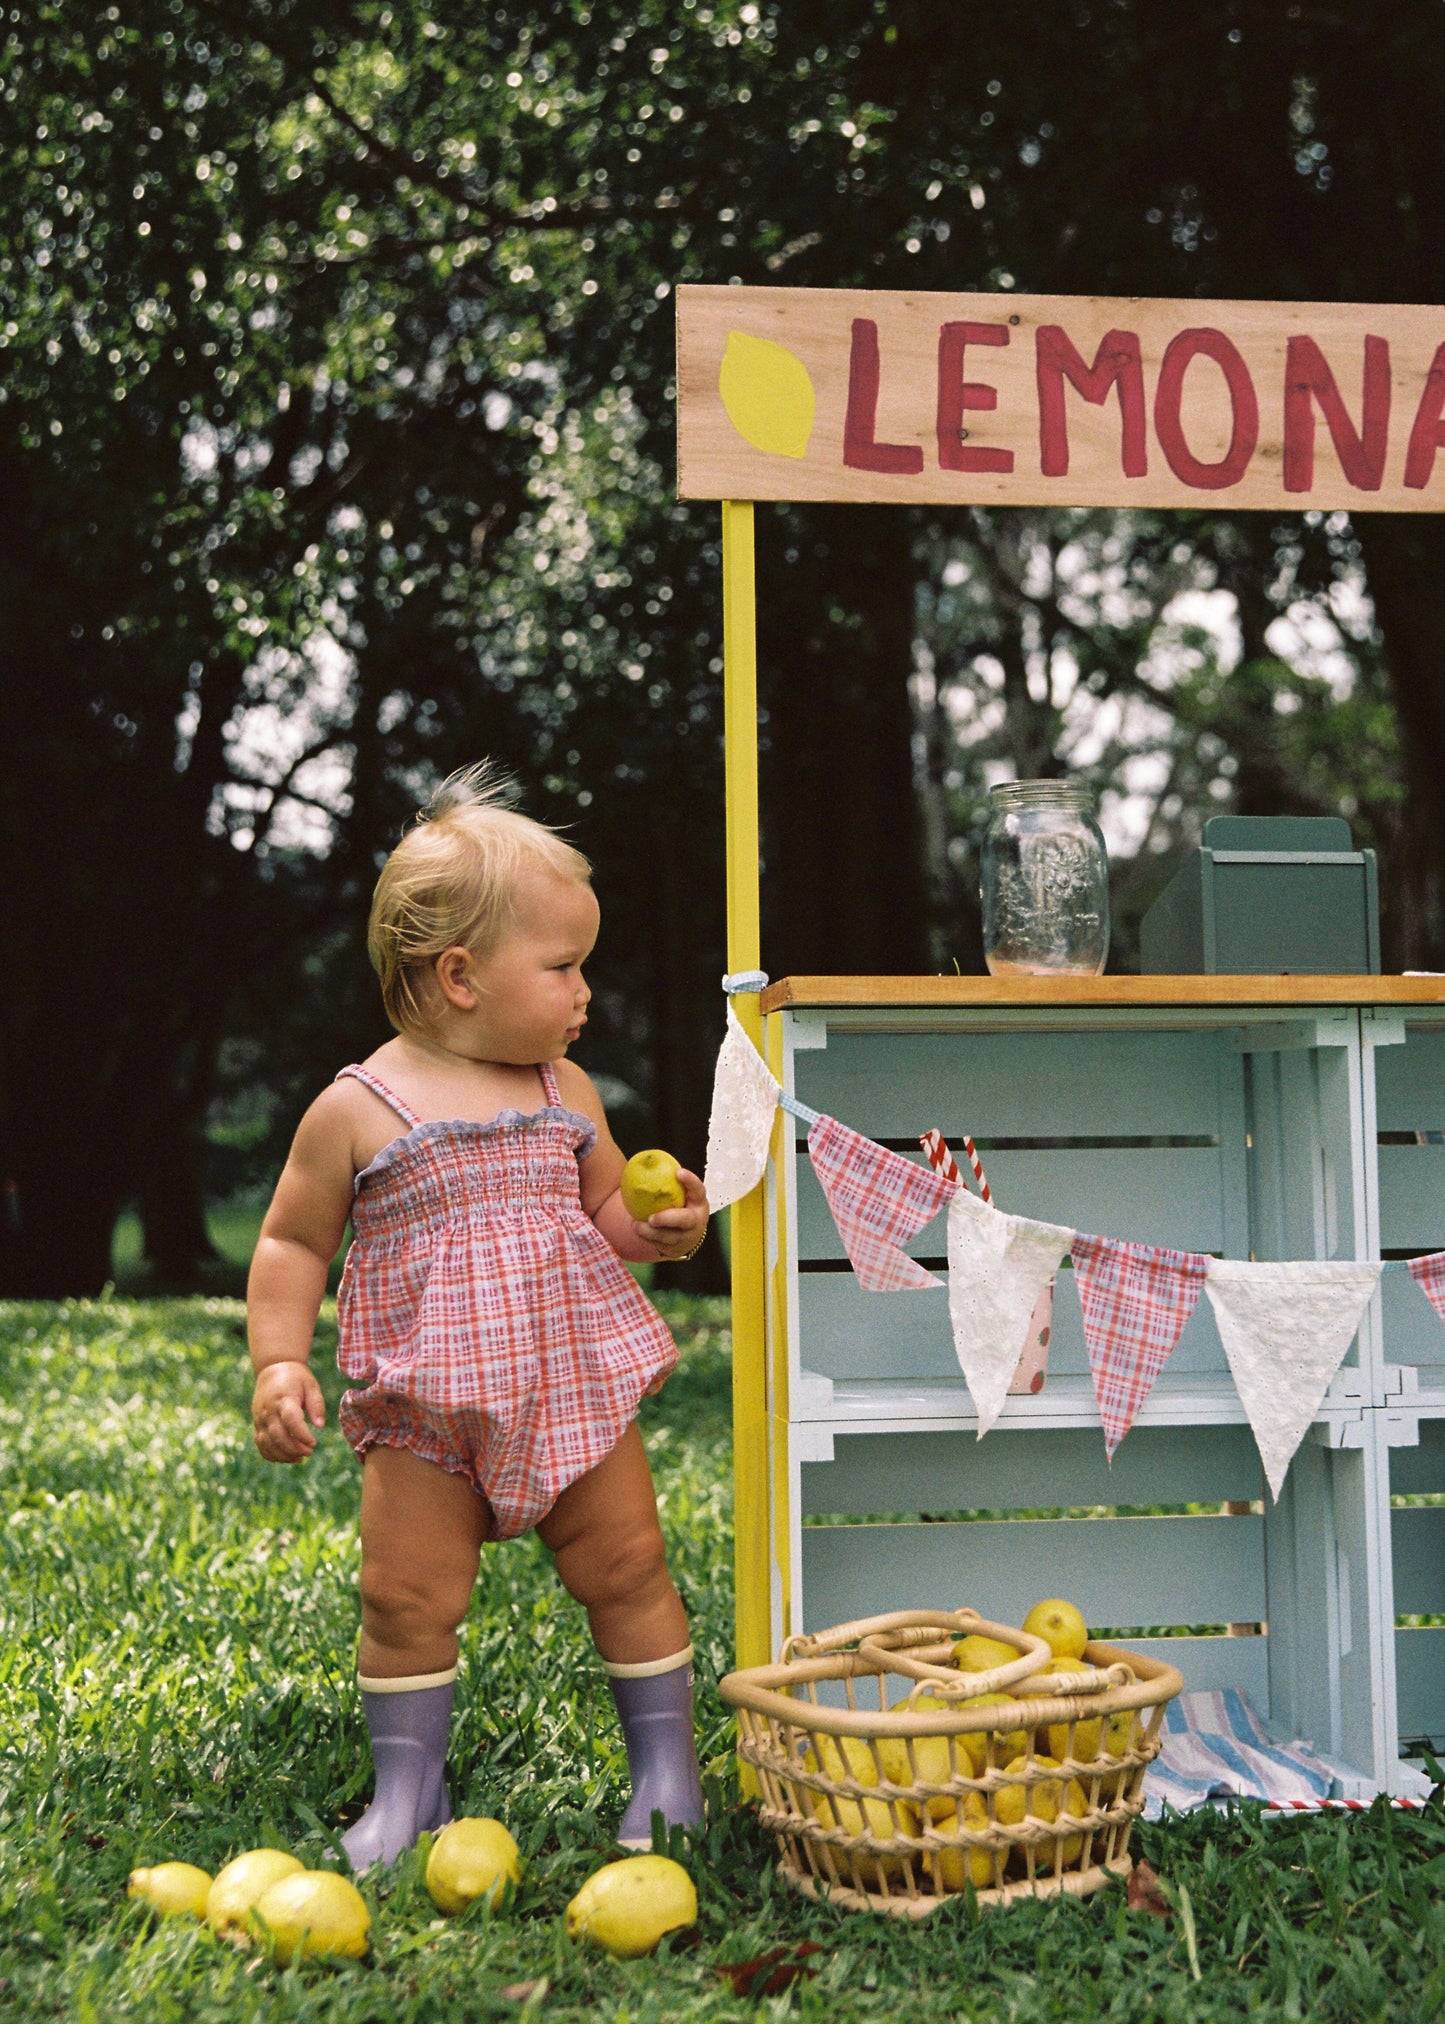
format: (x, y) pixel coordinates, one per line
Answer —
(879, 1201)
(1136, 1299)
(1429, 1275)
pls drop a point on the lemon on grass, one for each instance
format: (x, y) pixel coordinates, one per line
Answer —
(171, 1887)
(1060, 1625)
(1044, 1800)
(627, 1906)
(471, 1859)
(317, 1913)
(239, 1884)
(649, 1183)
(975, 1654)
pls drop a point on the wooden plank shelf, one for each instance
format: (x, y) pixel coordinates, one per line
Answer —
(1270, 992)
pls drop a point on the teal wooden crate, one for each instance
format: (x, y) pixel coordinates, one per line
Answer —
(1243, 1133)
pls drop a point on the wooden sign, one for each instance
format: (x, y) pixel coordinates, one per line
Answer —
(1068, 400)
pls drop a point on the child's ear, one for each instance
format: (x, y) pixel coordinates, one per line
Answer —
(454, 978)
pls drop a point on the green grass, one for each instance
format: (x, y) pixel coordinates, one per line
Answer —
(177, 1637)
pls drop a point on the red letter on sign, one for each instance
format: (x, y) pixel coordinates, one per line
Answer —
(1307, 378)
(1244, 432)
(1116, 363)
(1427, 435)
(956, 395)
(860, 451)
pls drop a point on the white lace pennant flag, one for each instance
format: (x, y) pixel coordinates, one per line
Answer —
(1285, 1329)
(998, 1266)
(745, 1096)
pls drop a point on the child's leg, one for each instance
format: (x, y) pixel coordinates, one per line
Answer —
(421, 1535)
(604, 1533)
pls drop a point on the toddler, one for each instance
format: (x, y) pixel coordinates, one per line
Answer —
(497, 1344)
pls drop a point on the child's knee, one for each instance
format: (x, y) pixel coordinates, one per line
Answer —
(400, 1608)
(624, 1568)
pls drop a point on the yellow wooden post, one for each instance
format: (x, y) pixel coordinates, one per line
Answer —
(750, 1399)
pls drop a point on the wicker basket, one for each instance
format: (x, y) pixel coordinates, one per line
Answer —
(895, 1809)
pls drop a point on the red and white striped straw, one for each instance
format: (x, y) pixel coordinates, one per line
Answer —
(943, 1162)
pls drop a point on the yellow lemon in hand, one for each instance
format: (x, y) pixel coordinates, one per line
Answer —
(1060, 1625)
(239, 1884)
(316, 1913)
(981, 1654)
(768, 394)
(171, 1887)
(649, 1183)
(471, 1859)
(627, 1906)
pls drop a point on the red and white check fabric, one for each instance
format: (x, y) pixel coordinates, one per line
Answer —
(879, 1201)
(1429, 1275)
(1136, 1299)
(493, 1328)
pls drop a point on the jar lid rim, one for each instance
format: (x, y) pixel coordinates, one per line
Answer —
(1043, 790)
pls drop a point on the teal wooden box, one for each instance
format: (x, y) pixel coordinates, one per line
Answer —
(1243, 1130)
(1265, 895)
(1409, 1110)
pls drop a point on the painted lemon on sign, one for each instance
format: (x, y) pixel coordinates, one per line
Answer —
(768, 394)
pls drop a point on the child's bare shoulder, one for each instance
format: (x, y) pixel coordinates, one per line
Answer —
(333, 1120)
(577, 1089)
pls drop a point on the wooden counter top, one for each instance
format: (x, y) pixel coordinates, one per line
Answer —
(1140, 991)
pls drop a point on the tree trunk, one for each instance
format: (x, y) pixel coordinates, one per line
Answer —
(843, 883)
(1404, 565)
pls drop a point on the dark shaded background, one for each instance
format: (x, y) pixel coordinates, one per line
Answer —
(335, 451)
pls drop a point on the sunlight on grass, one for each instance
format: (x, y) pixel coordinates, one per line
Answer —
(177, 1647)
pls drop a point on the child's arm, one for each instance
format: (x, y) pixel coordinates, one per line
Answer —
(298, 1240)
(669, 1235)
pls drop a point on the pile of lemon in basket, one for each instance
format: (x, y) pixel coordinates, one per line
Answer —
(1020, 1754)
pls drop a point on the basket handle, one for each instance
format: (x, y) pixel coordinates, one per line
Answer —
(951, 1685)
(928, 1625)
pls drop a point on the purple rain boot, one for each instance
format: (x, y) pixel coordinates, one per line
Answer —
(654, 1703)
(408, 1721)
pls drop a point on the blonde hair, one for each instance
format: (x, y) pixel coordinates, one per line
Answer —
(451, 883)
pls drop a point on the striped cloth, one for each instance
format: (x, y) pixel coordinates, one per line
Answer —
(1214, 1746)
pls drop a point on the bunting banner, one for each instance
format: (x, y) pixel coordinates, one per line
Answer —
(1285, 1329)
(1429, 1275)
(879, 1201)
(1136, 1299)
(1285, 1325)
(998, 1266)
(745, 1096)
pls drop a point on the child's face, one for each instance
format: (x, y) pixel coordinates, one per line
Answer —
(531, 997)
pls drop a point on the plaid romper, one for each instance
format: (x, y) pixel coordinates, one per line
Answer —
(491, 1326)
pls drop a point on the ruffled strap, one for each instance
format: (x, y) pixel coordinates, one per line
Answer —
(379, 1088)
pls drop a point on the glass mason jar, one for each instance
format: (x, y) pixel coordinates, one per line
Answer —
(1045, 882)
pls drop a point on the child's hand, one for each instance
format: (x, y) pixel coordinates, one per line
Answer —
(674, 1233)
(285, 1398)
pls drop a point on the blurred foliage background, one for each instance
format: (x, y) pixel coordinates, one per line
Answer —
(336, 451)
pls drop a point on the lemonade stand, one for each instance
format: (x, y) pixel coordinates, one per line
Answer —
(1232, 1117)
